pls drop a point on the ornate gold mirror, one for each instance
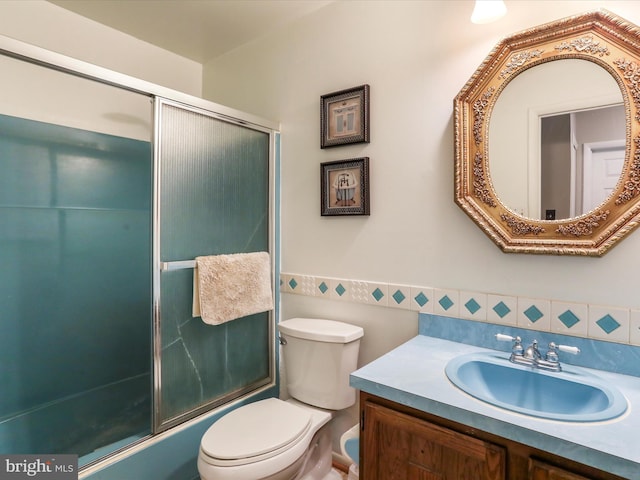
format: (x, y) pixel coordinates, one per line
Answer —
(547, 137)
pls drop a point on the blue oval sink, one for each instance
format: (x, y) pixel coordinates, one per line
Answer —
(572, 395)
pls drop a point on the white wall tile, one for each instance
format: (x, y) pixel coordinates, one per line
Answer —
(306, 285)
(534, 313)
(296, 284)
(422, 299)
(323, 287)
(502, 309)
(340, 289)
(399, 296)
(473, 305)
(569, 318)
(608, 323)
(359, 291)
(284, 282)
(446, 302)
(378, 294)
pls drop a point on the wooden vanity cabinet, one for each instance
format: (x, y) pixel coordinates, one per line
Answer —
(398, 446)
(401, 443)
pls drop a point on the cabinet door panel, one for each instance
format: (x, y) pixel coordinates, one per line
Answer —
(398, 446)
(543, 471)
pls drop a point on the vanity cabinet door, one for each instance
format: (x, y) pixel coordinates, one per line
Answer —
(543, 471)
(397, 446)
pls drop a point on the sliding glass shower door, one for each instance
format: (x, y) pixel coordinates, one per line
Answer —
(76, 182)
(102, 183)
(214, 198)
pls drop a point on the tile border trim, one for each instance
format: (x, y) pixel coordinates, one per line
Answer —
(598, 322)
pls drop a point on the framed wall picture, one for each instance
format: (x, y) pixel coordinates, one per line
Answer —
(344, 187)
(344, 117)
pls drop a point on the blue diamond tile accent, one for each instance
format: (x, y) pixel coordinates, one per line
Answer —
(323, 287)
(472, 306)
(398, 297)
(608, 323)
(377, 294)
(340, 289)
(533, 313)
(445, 302)
(501, 309)
(568, 318)
(293, 284)
(421, 299)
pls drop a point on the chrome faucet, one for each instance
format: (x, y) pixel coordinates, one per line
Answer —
(532, 353)
(532, 356)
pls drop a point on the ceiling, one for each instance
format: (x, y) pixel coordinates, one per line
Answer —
(200, 30)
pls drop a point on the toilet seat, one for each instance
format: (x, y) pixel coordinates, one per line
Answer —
(255, 432)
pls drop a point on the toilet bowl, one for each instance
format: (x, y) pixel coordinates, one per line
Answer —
(274, 439)
(268, 439)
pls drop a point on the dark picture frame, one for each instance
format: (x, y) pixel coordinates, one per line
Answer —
(344, 117)
(344, 187)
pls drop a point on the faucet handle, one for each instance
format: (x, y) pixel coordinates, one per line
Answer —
(568, 349)
(517, 343)
(505, 338)
(552, 353)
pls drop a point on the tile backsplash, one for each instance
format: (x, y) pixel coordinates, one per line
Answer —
(601, 322)
(598, 354)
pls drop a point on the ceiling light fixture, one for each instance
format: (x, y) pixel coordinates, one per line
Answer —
(487, 11)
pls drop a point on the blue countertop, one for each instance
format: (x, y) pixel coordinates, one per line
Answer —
(413, 375)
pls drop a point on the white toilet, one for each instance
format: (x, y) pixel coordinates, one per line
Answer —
(274, 439)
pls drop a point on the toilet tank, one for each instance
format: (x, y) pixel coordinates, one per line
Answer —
(318, 357)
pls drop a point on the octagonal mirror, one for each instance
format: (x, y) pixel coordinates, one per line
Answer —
(547, 137)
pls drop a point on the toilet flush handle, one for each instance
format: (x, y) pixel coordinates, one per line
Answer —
(283, 341)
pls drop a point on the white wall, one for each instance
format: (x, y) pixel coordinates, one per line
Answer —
(38, 93)
(48, 26)
(46, 95)
(416, 56)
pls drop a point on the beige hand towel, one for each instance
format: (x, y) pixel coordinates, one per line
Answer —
(226, 287)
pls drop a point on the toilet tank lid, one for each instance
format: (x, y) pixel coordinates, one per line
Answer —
(321, 330)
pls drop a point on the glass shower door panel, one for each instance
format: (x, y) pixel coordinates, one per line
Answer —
(75, 236)
(214, 199)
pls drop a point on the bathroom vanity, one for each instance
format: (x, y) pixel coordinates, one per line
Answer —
(404, 443)
(416, 424)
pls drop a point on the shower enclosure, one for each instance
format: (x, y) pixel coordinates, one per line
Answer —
(109, 188)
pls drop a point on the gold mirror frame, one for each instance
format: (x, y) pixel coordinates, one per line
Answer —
(599, 37)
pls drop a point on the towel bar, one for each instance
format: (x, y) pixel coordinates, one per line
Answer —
(179, 265)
